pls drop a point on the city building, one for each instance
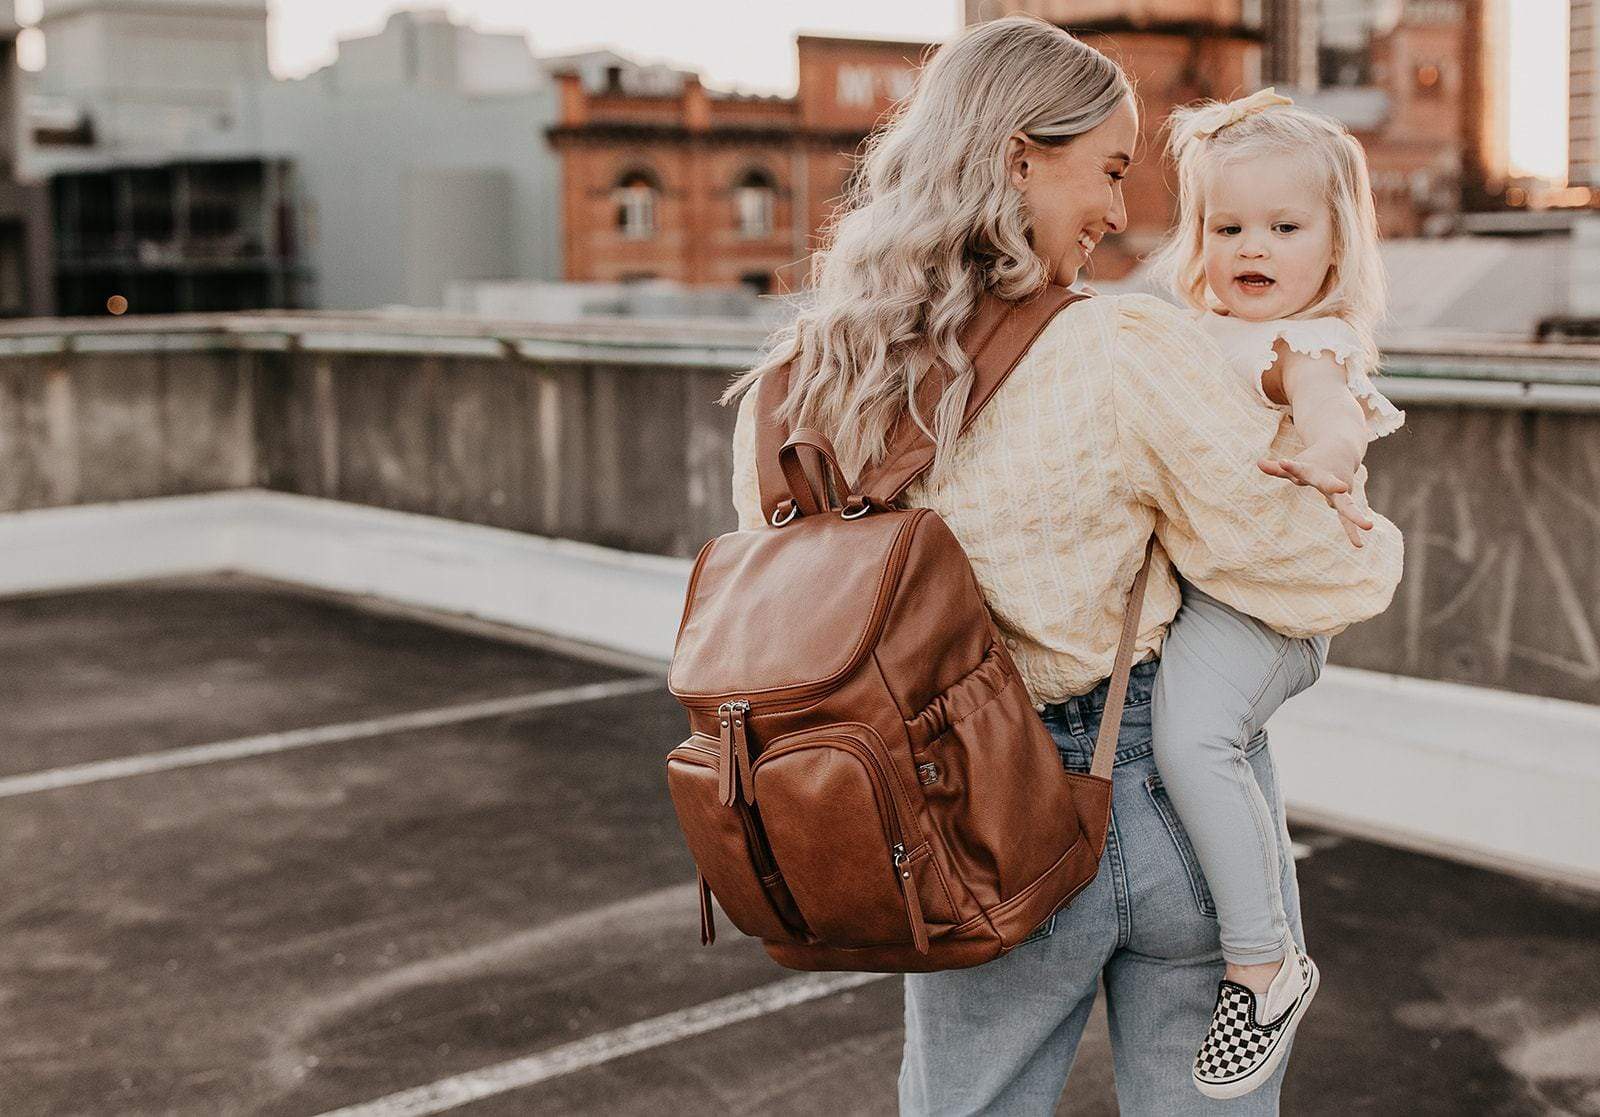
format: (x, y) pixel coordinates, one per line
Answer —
(1290, 40)
(1424, 84)
(1428, 74)
(1487, 154)
(1405, 76)
(677, 183)
(424, 48)
(603, 70)
(160, 201)
(421, 161)
(708, 189)
(25, 287)
(416, 160)
(129, 79)
(1345, 32)
(175, 236)
(1583, 103)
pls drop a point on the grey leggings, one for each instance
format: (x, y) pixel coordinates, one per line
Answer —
(1222, 675)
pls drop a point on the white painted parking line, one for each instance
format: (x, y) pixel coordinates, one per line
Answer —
(123, 767)
(517, 1074)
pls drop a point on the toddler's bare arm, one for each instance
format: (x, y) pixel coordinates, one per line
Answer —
(1334, 427)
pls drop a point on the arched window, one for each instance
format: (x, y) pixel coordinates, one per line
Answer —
(635, 201)
(753, 201)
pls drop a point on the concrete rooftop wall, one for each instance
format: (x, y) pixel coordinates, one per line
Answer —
(611, 435)
(547, 432)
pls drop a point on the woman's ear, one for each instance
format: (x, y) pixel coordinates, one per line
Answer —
(1017, 167)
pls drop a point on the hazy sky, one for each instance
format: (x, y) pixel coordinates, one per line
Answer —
(1539, 86)
(745, 43)
(749, 44)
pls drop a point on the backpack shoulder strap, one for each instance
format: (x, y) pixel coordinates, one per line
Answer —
(996, 339)
(1105, 742)
(770, 437)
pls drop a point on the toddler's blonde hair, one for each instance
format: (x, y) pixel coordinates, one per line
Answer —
(1212, 134)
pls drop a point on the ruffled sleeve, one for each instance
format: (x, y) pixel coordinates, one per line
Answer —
(1336, 338)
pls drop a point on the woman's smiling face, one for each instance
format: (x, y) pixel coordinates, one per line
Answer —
(1074, 190)
(1268, 239)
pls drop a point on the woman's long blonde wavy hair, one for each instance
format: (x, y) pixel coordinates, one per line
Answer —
(1209, 135)
(931, 222)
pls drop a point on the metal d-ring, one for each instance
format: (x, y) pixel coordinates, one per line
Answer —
(794, 510)
(866, 507)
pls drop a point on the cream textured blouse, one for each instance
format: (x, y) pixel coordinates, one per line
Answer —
(1124, 418)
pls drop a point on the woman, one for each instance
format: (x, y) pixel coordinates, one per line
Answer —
(1003, 172)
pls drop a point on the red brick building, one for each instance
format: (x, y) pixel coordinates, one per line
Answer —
(714, 189)
(1425, 120)
(1429, 144)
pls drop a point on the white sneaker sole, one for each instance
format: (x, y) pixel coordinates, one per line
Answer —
(1238, 1087)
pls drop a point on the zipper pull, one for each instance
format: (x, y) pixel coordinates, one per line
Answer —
(725, 789)
(908, 888)
(740, 709)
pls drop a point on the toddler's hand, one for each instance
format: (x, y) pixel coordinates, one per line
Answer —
(1329, 469)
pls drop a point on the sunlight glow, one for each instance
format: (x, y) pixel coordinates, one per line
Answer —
(1538, 109)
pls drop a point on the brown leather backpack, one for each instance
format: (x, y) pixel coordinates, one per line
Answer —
(867, 785)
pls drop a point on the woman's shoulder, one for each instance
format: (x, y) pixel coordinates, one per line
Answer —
(1159, 339)
(1139, 310)
(1128, 342)
(1107, 320)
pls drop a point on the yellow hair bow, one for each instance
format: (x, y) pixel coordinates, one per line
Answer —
(1214, 119)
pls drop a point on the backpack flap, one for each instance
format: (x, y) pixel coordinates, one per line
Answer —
(776, 614)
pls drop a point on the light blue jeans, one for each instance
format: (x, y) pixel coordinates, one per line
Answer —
(1222, 676)
(1000, 1038)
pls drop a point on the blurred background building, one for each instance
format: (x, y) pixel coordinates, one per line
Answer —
(160, 192)
(1583, 103)
(715, 189)
(435, 165)
(421, 162)
(25, 287)
(724, 190)
(1407, 78)
(1291, 41)
(185, 177)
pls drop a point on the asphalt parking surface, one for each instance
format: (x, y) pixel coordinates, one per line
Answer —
(352, 904)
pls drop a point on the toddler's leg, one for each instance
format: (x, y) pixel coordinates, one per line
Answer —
(1222, 675)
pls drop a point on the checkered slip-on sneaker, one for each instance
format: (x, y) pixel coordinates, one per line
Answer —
(1240, 1051)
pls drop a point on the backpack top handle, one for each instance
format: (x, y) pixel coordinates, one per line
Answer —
(810, 498)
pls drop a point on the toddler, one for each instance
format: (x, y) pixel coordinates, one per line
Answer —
(1276, 249)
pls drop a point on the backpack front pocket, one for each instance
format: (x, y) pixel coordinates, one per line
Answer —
(831, 818)
(727, 846)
